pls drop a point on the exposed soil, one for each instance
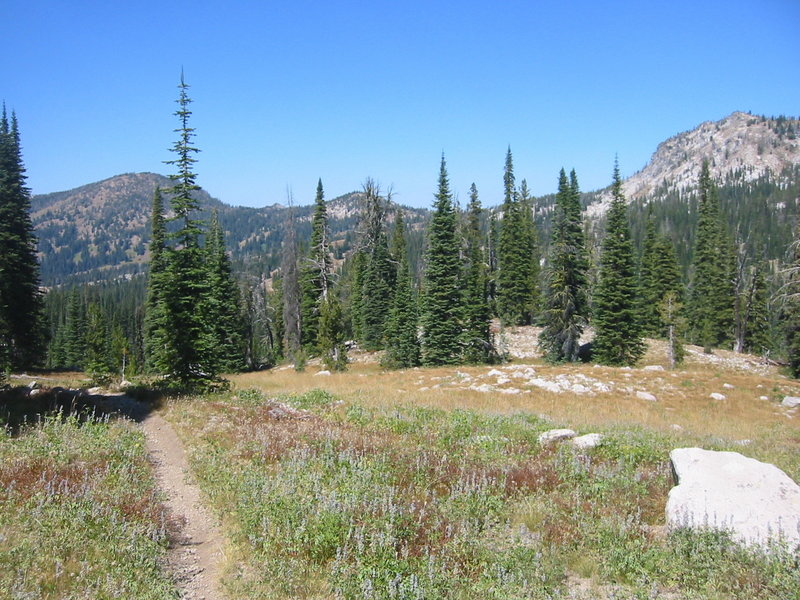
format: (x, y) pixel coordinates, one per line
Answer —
(195, 557)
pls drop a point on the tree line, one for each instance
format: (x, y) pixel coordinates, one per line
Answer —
(194, 319)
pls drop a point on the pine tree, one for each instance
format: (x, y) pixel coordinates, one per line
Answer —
(316, 273)
(96, 362)
(565, 306)
(478, 346)
(290, 292)
(441, 310)
(377, 276)
(711, 296)
(224, 303)
(674, 324)
(402, 345)
(22, 324)
(530, 249)
(514, 256)
(618, 338)
(331, 334)
(659, 275)
(156, 328)
(790, 312)
(75, 327)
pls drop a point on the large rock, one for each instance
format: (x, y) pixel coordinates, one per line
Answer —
(556, 435)
(756, 502)
(790, 401)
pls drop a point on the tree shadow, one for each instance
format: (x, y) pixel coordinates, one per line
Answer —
(21, 406)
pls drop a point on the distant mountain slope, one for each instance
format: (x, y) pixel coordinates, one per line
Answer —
(101, 230)
(741, 147)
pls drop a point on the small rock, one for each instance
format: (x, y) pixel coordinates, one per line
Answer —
(35, 392)
(728, 386)
(588, 441)
(763, 397)
(502, 380)
(676, 427)
(495, 373)
(323, 373)
(717, 396)
(94, 391)
(556, 435)
(646, 396)
(33, 385)
(791, 401)
(743, 442)
(653, 368)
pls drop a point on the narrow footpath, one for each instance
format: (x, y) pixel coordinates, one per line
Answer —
(197, 555)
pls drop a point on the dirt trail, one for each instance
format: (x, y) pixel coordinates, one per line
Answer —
(198, 554)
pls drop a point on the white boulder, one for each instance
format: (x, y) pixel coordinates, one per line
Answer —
(653, 368)
(322, 373)
(756, 502)
(556, 435)
(588, 441)
(716, 396)
(791, 401)
(646, 396)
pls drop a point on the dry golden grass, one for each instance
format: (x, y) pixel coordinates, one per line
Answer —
(684, 407)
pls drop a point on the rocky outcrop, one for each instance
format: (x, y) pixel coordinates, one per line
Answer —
(756, 502)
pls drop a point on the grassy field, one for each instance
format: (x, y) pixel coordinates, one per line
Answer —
(414, 484)
(78, 513)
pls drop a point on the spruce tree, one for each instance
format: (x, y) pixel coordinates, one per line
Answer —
(22, 326)
(618, 338)
(442, 311)
(188, 353)
(659, 275)
(514, 256)
(316, 273)
(711, 297)
(290, 292)
(224, 303)
(97, 350)
(156, 328)
(477, 339)
(377, 276)
(530, 249)
(402, 344)
(331, 334)
(790, 313)
(565, 306)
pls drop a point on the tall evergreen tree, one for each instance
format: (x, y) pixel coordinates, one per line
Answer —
(530, 249)
(377, 277)
(22, 328)
(477, 339)
(97, 350)
(188, 354)
(659, 275)
(156, 327)
(331, 334)
(711, 297)
(402, 345)
(565, 305)
(515, 255)
(790, 312)
(618, 337)
(224, 303)
(290, 291)
(315, 279)
(442, 311)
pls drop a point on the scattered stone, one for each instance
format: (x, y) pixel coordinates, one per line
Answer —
(791, 401)
(653, 368)
(755, 501)
(484, 387)
(646, 396)
(33, 385)
(728, 386)
(509, 391)
(556, 435)
(763, 397)
(588, 441)
(502, 380)
(743, 442)
(322, 373)
(717, 396)
(94, 391)
(495, 373)
(676, 427)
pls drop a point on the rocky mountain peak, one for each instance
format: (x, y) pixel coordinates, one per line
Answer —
(742, 144)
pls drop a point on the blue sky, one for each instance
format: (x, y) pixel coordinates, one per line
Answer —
(287, 92)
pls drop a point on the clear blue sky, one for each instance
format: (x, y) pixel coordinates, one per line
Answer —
(287, 92)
